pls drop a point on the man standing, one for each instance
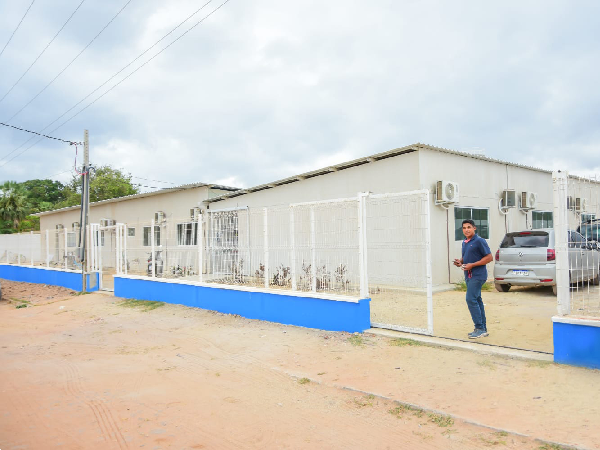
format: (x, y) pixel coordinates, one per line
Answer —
(475, 255)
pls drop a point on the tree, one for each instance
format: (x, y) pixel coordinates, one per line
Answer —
(43, 194)
(105, 183)
(14, 206)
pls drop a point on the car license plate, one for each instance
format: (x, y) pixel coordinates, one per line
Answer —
(521, 273)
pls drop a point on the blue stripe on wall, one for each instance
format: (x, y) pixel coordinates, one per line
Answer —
(282, 308)
(41, 275)
(578, 345)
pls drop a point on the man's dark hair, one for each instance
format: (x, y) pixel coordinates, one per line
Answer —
(469, 221)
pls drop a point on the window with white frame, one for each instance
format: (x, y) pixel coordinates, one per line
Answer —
(147, 236)
(481, 217)
(71, 241)
(541, 219)
(130, 231)
(186, 233)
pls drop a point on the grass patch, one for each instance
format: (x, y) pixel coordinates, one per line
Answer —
(541, 364)
(487, 364)
(441, 420)
(303, 381)
(356, 340)
(493, 441)
(548, 446)
(367, 400)
(144, 305)
(462, 286)
(22, 305)
(402, 409)
(402, 342)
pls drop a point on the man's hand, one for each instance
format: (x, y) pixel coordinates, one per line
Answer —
(457, 262)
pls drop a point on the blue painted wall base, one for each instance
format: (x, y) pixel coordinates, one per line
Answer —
(43, 275)
(577, 344)
(324, 314)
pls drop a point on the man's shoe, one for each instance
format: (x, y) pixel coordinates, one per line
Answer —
(472, 332)
(478, 333)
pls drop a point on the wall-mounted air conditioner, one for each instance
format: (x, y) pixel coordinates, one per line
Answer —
(528, 200)
(509, 198)
(59, 226)
(580, 204)
(446, 192)
(107, 222)
(159, 217)
(194, 214)
(75, 225)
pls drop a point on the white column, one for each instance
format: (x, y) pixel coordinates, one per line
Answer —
(152, 248)
(428, 261)
(31, 247)
(65, 255)
(125, 248)
(266, 242)
(313, 253)
(47, 248)
(119, 255)
(18, 249)
(293, 251)
(200, 242)
(561, 245)
(362, 244)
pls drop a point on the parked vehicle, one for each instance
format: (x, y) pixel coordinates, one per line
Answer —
(590, 230)
(528, 258)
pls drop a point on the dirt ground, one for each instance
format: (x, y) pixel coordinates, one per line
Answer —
(94, 371)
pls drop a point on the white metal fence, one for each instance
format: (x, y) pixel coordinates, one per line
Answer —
(577, 232)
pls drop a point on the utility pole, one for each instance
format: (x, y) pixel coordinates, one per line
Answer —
(85, 178)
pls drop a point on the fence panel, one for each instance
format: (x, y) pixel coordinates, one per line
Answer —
(583, 207)
(399, 261)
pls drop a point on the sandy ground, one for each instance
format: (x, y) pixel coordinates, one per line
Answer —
(91, 372)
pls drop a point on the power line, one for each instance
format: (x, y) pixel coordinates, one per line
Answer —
(156, 181)
(66, 67)
(11, 36)
(40, 134)
(117, 84)
(45, 48)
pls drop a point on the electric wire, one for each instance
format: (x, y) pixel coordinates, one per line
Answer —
(156, 181)
(66, 67)
(13, 33)
(43, 51)
(114, 86)
(40, 134)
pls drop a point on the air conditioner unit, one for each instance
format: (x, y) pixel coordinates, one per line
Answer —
(446, 192)
(75, 225)
(509, 198)
(59, 226)
(194, 214)
(159, 217)
(580, 204)
(107, 222)
(528, 200)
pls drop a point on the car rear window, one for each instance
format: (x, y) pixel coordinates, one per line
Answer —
(525, 239)
(591, 231)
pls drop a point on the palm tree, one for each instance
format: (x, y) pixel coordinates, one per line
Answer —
(13, 203)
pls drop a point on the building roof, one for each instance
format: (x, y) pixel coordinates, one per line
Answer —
(183, 187)
(360, 161)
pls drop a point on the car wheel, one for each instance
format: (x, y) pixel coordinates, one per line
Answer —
(596, 280)
(502, 287)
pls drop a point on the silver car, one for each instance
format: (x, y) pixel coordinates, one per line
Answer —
(528, 258)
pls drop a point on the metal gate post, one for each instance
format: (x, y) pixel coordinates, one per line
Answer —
(266, 241)
(362, 244)
(559, 181)
(293, 251)
(200, 242)
(152, 248)
(428, 262)
(47, 248)
(313, 252)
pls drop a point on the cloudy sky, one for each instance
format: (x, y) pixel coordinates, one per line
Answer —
(266, 89)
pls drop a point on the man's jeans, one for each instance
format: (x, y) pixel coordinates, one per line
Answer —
(475, 303)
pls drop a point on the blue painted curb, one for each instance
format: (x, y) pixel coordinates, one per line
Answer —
(44, 275)
(577, 344)
(310, 312)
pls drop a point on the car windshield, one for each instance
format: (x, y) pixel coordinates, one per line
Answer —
(591, 231)
(524, 239)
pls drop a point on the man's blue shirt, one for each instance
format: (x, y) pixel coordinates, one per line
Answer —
(473, 251)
